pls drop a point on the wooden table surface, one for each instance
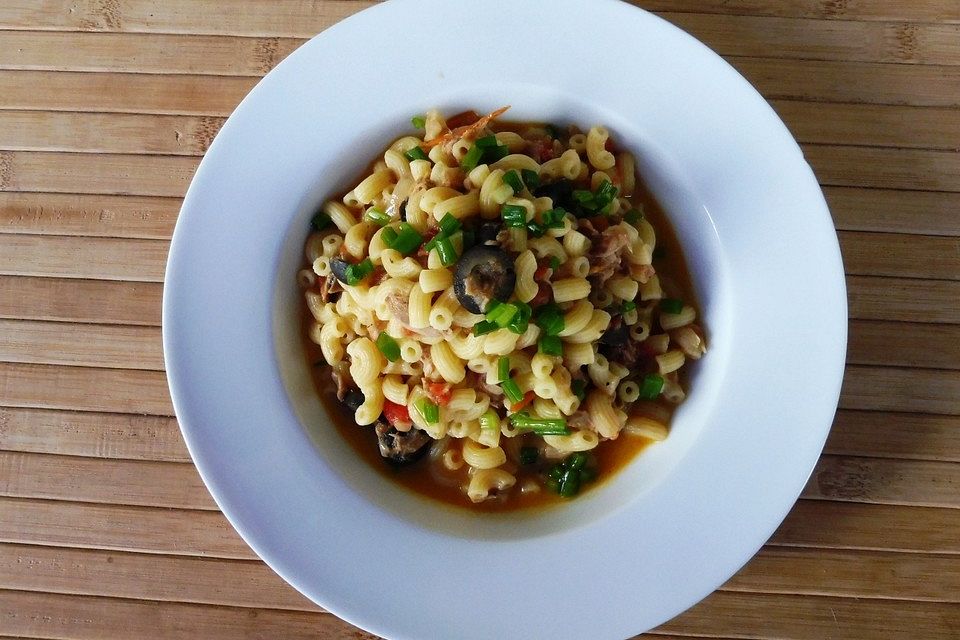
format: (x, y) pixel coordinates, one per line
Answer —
(106, 107)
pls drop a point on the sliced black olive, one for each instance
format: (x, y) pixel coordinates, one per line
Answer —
(615, 337)
(339, 268)
(560, 191)
(354, 399)
(616, 334)
(629, 355)
(483, 273)
(401, 447)
(488, 232)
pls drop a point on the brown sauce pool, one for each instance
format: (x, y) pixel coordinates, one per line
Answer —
(429, 478)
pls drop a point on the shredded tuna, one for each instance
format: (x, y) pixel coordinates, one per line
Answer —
(586, 227)
(579, 420)
(398, 304)
(541, 149)
(429, 369)
(341, 377)
(630, 354)
(330, 288)
(642, 272)
(469, 131)
(478, 381)
(606, 254)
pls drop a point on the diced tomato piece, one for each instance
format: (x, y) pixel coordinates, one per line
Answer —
(428, 235)
(541, 149)
(542, 297)
(378, 276)
(541, 273)
(527, 399)
(396, 414)
(439, 392)
(462, 119)
(617, 176)
(600, 223)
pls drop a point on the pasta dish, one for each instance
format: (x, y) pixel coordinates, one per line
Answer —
(491, 308)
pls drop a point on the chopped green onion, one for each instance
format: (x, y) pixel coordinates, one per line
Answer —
(628, 306)
(546, 427)
(551, 346)
(514, 215)
(320, 221)
(555, 472)
(456, 239)
(484, 327)
(469, 239)
(671, 305)
(583, 196)
(501, 313)
(377, 217)
(389, 236)
(601, 200)
(388, 346)
(553, 218)
(530, 178)
(449, 225)
(406, 241)
(448, 255)
(490, 421)
(576, 461)
(471, 159)
(550, 319)
(419, 122)
(554, 263)
(512, 390)
(606, 192)
(569, 483)
(512, 178)
(521, 321)
(540, 426)
(529, 455)
(579, 388)
(632, 217)
(503, 369)
(357, 272)
(495, 153)
(416, 153)
(486, 142)
(592, 202)
(429, 411)
(535, 229)
(651, 386)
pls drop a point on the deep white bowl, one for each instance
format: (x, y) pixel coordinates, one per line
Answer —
(681, 518)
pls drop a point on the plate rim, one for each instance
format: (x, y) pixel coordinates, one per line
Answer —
(176, 362)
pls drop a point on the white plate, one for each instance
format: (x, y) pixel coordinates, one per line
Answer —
(672, 526)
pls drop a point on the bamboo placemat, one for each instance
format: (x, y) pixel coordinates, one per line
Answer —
(106, 107)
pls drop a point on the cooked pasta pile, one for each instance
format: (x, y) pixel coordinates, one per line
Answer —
(487, 296)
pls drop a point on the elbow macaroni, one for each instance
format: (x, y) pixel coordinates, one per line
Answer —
(400, 335)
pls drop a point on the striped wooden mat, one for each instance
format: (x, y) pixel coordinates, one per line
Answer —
(106, 107)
